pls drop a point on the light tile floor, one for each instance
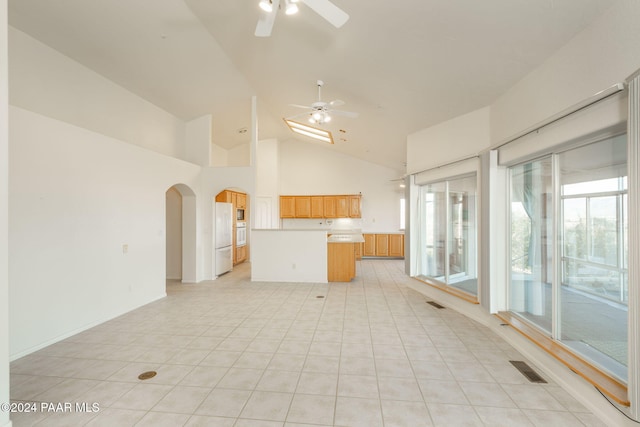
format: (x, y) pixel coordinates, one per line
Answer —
(236, 353)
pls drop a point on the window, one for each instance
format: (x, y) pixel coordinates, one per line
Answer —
(448, 252)
(531, 240)
(575, 259)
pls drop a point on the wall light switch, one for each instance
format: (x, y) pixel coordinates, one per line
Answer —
(125, 248)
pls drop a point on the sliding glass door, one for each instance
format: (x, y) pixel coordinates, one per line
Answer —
(568, 243)
(594, 287)
(449, 246)
(531, 241)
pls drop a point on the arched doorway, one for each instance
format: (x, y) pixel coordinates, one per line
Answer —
(181, 234)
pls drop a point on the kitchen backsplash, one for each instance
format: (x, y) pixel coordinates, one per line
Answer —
(322, 223)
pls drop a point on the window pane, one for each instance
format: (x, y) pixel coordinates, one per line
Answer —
(594, 293)
(595, 280)
(462, 234)
(435, 220)
(575, 227)
(531, 242)
(603, 230)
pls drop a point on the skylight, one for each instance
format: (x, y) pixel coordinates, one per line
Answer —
(310, 131)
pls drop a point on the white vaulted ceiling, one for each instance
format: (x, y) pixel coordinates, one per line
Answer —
(403, 66)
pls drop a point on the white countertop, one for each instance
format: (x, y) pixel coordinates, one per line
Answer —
(345, 238)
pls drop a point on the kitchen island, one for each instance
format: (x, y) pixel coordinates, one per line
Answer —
(310, 256)
(281, 255)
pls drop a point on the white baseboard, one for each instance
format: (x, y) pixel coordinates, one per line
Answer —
(76, 331)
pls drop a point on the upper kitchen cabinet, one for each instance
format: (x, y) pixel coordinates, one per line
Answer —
(303, 207)
(354, 207)
(317, 207)
(241, 201)
(329, 203)
(224, 197)
(287, 207)
(341, 206)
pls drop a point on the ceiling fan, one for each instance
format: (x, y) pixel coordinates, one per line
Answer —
(321, 111)
(329, 11)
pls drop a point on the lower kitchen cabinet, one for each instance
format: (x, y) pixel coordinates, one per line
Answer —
(341, 262)
(369, 248)
(383, 245)
(241, 254)
(396, 245)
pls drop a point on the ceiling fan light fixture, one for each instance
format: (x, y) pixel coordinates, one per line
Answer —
(266, 5)
(290, 7)
(319, 117)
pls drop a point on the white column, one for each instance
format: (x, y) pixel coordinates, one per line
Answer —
(4, 215)
(633, 153)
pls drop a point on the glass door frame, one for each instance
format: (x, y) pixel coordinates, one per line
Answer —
(444, 279)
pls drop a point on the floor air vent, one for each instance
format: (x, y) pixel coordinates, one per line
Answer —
(527, 371)
(435, 304)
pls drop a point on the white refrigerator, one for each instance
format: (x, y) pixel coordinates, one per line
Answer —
(224, 237)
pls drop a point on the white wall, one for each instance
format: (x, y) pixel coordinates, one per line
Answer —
(453, 140)
(4, 220)
(49, 83)
(239, 156)
(219, 156)
(603, 54)
(198, 140)
(76, 197)
(266, 207)
(306, 168)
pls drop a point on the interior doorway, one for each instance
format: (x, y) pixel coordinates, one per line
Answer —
(180, 234)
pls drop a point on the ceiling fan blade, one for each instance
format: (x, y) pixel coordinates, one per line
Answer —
(300, 106)
(337, 103)
(299, 115)
(329, 11)
(349, 114)
(266, 20)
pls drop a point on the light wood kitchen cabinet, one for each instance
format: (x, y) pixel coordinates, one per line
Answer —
(241, 254)
(359, 247)
(369, 245)
(329, 203)
(317, 207)
(341, 262)
(396, 245)
(287, 207)
(241, 201)
(382, 245)
(329, 206)
(224, 197)
(342, 206)
(354, 207)
(303, 207)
